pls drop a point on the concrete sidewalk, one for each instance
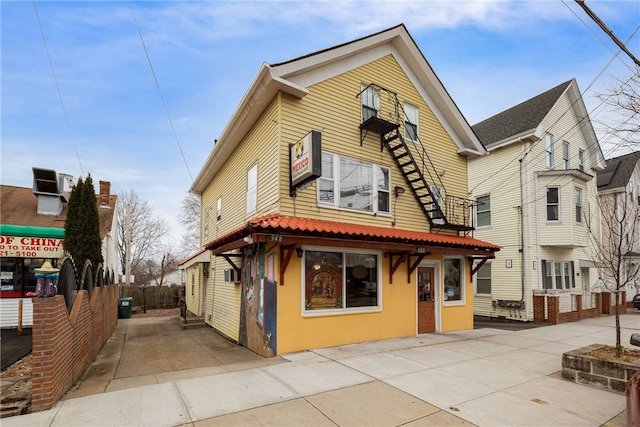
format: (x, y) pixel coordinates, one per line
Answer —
(484, 377)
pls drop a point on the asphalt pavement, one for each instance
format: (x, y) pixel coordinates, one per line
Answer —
(14, 346)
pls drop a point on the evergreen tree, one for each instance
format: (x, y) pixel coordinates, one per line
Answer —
(82, 226)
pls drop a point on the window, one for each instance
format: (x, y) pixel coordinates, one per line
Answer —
(206, 223)
(549, 148)
(453, 283)
(219, 209)
(361, 186)
(581, 160)
(579, 205)
(565, 155)
(436, 193)
(345, 281)
(193, 284)
(252, 189)
(553, 204)
(410, 122)
(483, 217)
(483, 279)
(370, 103)
(557, 275)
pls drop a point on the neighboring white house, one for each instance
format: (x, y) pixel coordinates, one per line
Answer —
(535, 192)
(621, 180)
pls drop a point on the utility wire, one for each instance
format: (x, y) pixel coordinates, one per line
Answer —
(55, 79)
(606, 29)
(164, 104)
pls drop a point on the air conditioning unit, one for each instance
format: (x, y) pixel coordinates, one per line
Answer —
(231, 276)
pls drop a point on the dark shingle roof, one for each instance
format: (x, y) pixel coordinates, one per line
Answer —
(19, 206)
(523, 117)
(618, 171)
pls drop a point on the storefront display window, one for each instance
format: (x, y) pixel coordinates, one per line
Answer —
(340, 280)
(18, 276)
(453, 283)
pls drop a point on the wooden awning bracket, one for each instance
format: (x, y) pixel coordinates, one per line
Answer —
(482, 260)
(393, 266)
(412, 267)
(286, 252)
(228, 258)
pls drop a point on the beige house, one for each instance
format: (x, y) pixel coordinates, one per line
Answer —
(619, 192)
(536, 194)
(334, 204)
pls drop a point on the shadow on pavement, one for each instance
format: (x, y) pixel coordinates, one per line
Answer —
(14, 347)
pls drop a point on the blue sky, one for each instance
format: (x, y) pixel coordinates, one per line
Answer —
(489, 55)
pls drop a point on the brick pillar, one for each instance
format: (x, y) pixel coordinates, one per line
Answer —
(606, 303)
(538, 308)
(599, 303)
(579, 305)
(553, 302)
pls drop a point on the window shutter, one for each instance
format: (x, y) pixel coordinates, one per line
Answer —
(544, 273)
(573, 275)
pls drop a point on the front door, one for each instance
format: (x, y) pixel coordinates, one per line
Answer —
(426, 305)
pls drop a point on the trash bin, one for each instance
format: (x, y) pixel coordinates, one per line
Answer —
(124, 307)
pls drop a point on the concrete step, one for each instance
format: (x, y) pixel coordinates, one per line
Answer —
(192, 322)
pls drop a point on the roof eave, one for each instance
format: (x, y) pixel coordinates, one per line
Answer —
(262, 90)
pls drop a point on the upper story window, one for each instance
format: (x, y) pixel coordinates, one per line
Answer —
(549, 150)
(370, 103)
(252, 189)
(411, 122)
(581, 160)
(553, 203)
(483, 279)
(219, 209)
(483, 216)
(579, 205)
(354, 185)
(206, 223)
(436, 192)
(565, 155)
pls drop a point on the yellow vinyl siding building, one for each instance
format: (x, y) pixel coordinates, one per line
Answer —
(366, 247)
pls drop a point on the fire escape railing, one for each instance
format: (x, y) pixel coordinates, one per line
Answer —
(444, 211)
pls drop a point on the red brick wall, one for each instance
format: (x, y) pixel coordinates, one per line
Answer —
(605, 305)
(65, 344)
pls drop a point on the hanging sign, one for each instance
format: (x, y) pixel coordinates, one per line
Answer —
(31, 247)
(305, 160)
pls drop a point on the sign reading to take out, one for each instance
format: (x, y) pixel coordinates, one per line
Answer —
(31, 247)
(305, 160)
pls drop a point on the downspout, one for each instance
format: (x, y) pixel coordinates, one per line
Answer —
(524, 238)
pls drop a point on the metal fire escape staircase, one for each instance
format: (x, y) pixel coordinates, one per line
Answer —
(444, 212)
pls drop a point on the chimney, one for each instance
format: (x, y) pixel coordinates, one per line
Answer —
(105, 193)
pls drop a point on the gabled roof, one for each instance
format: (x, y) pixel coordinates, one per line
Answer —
(295, 76)
(19, 206)
(525, 121)
(518, 120)
(618, 171)
(340, 232)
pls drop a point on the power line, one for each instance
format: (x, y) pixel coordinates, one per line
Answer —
(164, 104)
(606, 29)
(55, 79)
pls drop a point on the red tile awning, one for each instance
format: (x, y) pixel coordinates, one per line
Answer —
(288, 230)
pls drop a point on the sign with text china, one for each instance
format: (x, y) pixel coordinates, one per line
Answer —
(31, 247)
(305, 159)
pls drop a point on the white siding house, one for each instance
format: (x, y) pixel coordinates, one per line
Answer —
(536, 193)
